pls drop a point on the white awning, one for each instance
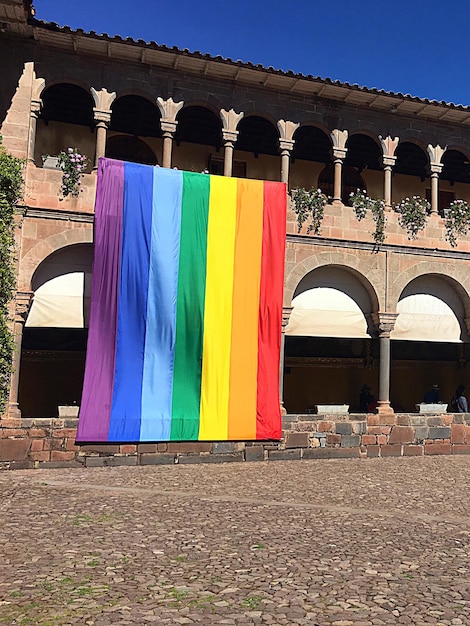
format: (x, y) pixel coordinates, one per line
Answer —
(425, 317)
(62, 302)
(326, 312)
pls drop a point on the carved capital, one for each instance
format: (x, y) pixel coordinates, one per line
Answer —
(339, 154)
(23, 302)
(36, 106)
(230, 120)
(389, 145)
(103, 99)
(169, 109)
(384, 322)
(230, 136)
(103, 117)
(389, 161)
(339, 139)
(286, 311)
(168, 128)
(286, 130)
(286, 145)
(436, 169)
(435, 156)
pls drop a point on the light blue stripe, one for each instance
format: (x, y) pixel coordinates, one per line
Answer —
(159, 354)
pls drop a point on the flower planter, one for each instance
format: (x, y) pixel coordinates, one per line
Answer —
(68, 411)
(431, 408)
(51, 163)
(329, 409)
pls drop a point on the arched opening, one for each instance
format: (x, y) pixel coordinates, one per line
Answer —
(258, 148)
(364, 157)
(66, 120)
(134, 131)
(311, 152)
(55, 334)
(127, 148)
(410, 172)
(454, 180)
(198, 140)
(330, 351)
(429, 342)
(351, 181)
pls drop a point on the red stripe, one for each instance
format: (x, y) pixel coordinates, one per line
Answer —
(268, 413)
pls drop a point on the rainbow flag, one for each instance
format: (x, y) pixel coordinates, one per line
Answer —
(186, 307)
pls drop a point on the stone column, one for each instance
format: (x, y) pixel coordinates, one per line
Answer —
(23, 301)
(230, 121)
(435, 156)
(385, 323)
(389, 146)
(38, 85)
(169, 110)
(286, 144)
(286, 311)
(102, 116)
(339, 138)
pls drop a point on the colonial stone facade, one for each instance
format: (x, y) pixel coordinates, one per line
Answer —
(395, 318)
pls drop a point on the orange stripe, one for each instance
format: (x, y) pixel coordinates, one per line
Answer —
(246, 289)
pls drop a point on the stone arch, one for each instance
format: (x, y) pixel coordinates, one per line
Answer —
(364, 151)
(312, 143)
(458, 277)
(66, 80)
(136, 116)
(456, 166)
(203, 104)
(67, 102)
(360, 268)
(38, 253)
(199, 124)
(412, 159)
(258, 134)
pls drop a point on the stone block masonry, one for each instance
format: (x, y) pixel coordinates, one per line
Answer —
(50, 443)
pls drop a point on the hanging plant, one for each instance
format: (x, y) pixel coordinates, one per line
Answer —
(11, 186)
(361, 203)
(73, 165)
(457, 220)
(309, 204)
(413, 213)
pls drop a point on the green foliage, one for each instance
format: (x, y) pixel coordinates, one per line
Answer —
(361, 203)
(11, 186)
(413, 213)
(457, 220)
(309, 203)
(73, 165)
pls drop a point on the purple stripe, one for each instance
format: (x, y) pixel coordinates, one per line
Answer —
(101, 352)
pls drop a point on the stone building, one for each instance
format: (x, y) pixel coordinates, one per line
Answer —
(395, 318)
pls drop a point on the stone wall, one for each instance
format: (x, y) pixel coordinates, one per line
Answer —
(50, 443)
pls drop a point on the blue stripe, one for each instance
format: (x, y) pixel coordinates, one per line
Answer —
(159, 356)
(132, 299)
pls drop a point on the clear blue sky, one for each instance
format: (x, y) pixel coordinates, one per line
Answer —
(420, 47)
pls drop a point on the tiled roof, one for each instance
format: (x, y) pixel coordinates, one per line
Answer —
(325, 85)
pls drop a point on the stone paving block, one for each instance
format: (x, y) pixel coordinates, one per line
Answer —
(184, 447)
(100, 448)
(437, 448)
(442, 432)
(224, 447)
(343, 428)
(254, 453)
(373, 451)
(403, 420)
(418, 420)
(14, 449)
(157, 459)
(401, 434)
(421, 433)
(461, 449)
(331, 453)
(296, 440)
(284, 455)
(110, 461)
(350, 441)
(413, 450)
(394, 450)
(457, 433)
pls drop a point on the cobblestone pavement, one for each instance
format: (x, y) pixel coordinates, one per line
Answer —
(345, 542)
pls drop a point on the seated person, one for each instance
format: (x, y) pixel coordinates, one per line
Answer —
(433, 396)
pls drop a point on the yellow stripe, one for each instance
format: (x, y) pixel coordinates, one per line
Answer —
(218, 309)
(247, 276)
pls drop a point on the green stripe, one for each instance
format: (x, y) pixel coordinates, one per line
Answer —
(190, 307)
